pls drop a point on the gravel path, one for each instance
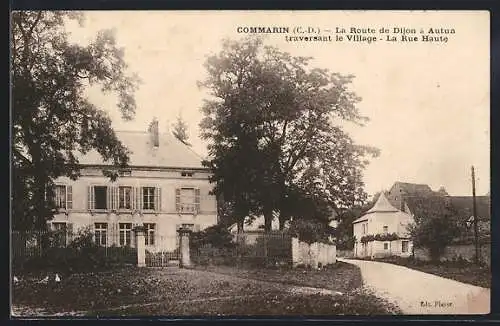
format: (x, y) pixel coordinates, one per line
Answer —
(417, 292)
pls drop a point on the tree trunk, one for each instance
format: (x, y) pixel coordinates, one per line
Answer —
(240, 226)
(282, 219)
(268, 220)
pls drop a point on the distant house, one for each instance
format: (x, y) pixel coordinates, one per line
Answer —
(409, 197)
(464, 208)
(255, 225)
(164, 187)
(400, 191)
(382, 231)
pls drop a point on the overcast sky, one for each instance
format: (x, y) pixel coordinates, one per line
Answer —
(428, 104)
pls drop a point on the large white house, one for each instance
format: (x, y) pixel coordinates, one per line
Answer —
(164, 187)
(382, 231)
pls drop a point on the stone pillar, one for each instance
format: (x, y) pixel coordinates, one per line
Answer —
(140, 244)
(295, 252)
(184, 234)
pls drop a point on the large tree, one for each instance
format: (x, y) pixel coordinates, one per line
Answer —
(52, 119)
(274, 127)
(435, 224)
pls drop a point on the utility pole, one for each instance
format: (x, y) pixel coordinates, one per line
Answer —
(474, 215)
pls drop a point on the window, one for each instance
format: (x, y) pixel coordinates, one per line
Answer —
(187, 200)
(186, 174)
(148, 198)
(149, 234)
(386, 245)
(63, 197)
(125, 197)
(125, 234)
(404, 246)
(386, 229)
(125, 173)
(101, 231)
(101, 197)
(365, 228)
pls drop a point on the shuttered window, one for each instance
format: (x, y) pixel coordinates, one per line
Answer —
(101, 197)
(63, 197)
(148, 198)
(125, 197)
(187, 200)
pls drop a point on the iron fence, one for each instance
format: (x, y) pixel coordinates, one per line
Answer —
(47, 247)
(164, 251)
(253, 248)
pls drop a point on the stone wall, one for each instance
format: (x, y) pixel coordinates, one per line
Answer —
(464, 251)
(345, 253)
(314, 254)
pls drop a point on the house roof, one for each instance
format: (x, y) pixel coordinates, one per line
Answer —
(463, 205)
(381, 206)
(413, 188)
(170, 153)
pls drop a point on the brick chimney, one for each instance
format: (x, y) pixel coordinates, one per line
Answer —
(153, 130)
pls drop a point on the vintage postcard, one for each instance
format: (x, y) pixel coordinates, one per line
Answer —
(250, 163)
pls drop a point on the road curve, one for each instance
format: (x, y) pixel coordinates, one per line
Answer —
(417, 292)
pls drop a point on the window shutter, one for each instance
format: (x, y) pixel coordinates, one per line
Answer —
(177, 201)
(140, 198)
(69, 197)
(115, 198)
(158, 199)
(197, 200)
(112, 198)
(133, 199)
(90, 194)
(108, 198)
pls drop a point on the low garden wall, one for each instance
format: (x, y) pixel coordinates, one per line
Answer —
(459, 251)
(314, 255)
(345, 253)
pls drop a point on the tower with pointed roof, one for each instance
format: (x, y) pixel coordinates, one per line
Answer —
(382, 231)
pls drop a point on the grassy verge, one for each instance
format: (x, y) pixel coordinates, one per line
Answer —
(340, 277)
(462, 271)
(177, 292)
(352, 304)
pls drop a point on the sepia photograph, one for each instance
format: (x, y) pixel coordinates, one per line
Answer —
(249, 163)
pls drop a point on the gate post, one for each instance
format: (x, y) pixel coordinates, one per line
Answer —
(140, 244)
(184, 233)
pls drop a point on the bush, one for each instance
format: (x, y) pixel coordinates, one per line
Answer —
(216, 236)
(81, 255)
(311, 231)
